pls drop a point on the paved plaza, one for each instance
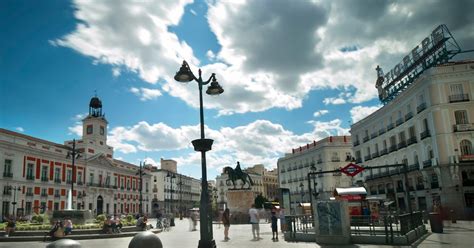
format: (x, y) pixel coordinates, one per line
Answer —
(455, 235)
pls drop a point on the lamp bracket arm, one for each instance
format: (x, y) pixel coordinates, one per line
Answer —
(213, 76)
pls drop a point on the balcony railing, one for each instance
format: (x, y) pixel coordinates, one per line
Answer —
(29, 193)
(356, 143)
(57, 195)
(463, 127)
(414, 167)
(374, 135)
(411, 140)
(392, 148)
(365, 139)
(80, 182)
(408, 116)
(381, 131)
(44, 179)
(358, 160)
(68, 181)
(7, 192)
(459, 98)
(421, 107)
(57, 180)
(7, 174)
(466, 158)
(367, 158)
(402, 144)
(44, 195)
(30, 177)
(383, 152)
(425, 134)
(399, 122)
(375, 155)
(427, 163)
(390, 126)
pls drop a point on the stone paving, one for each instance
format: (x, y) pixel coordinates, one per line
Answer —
(455, 235)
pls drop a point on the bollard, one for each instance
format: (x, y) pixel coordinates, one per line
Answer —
(64, 243)
(453, 218)
(145, 239)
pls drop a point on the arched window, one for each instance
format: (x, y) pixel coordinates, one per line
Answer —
(466, 147)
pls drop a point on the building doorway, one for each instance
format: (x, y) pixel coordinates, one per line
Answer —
(100, 205)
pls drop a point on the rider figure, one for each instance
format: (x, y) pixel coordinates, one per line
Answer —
(238, 170)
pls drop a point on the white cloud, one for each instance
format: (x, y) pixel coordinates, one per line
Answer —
(360, 112)
(258, 142)
(116, 72)
(333, 100)
(20, 129)
(210, 55)
(320, 113)
(76, 129)
(275, 54)
(145, 93)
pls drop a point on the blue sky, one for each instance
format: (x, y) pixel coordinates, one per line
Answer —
(293, 72)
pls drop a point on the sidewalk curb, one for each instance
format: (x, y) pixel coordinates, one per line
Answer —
(420, 240)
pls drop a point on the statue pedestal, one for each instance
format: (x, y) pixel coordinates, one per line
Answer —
(239, 202)
(332, 224)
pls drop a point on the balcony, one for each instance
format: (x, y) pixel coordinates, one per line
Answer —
(383, 152)
(30, 177)
(390, 190)
(80, 182)
(399, 122)
(29, 194)
(413, 167)
(68, 181)
(367, 158)
(411, 140)
(365, 139)
(425, 134)
(57, 180)
(402, 144)
(400, 190)
(466, 158)
(356, 143)
(57, 195)
(392, 148)
(44, 194)
(375, 155)
(421, 107)
(434, 185)
(420, 187)
(408, 116)
(7, 192)
(358, 160)
(463, 127)
(373, 135)
(459, 98)
(44, 179)
(381, 131)
(427, 163)
(390, 126)
(7, 174)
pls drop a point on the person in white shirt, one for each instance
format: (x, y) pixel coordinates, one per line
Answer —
(254, 220)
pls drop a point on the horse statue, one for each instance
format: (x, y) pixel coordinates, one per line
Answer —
(237, 174)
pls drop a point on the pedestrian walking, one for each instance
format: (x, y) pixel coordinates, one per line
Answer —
(254, 220)
(282, 220)
(274, 220)
(226, 222)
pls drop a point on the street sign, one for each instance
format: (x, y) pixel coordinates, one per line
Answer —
(352, 169)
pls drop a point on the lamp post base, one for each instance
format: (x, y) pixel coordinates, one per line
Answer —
(207, 244)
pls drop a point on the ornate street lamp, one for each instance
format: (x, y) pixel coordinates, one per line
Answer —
(73, 154)
(9, 188)
(140, 173)
(202, 145)
(171, 176)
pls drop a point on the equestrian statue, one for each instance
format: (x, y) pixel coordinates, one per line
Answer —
(236, 174)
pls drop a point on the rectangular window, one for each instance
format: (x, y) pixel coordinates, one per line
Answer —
(456, 89)
(425, 124)
(79, 177)
(461, 117)
(401, 136)
(102, 130)
(28, 208)
(44, 192)
(8, 166)
(44, 173)
(412, 131)
(91, 178)
(29, 170)
(89, 129)
(57, 174)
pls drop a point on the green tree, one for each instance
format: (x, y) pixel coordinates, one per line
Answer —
(259, 201)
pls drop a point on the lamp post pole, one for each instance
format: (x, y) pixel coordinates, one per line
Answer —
(202, 145)
(180, 207)
(73, 154)
(15, 189)
(140, 188)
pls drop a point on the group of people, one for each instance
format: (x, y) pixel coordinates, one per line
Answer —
(254, 219)
(112, 225)
(60, 229)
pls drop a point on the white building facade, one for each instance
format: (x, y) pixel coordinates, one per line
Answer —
(429, 127)
(37, 174)
(327, 154)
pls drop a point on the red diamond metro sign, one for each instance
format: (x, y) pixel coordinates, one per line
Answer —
(352, 169)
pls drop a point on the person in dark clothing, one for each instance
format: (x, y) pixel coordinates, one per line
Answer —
(226, 222)
(274, 227)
